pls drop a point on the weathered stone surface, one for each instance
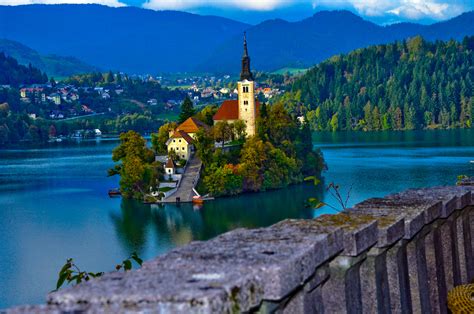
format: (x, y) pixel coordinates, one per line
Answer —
(359, 231)
(446, 244)
(373, 276)
(413, 212)
(237, 269)
(342, 290)
(416, 273)
(398, 278)
(435, 271)
(391, 227)
(397, 254)
(452, 197)
(467, 232)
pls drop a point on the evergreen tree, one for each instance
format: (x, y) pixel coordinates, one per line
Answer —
(403, 80)
(110, 77)
(187, 110)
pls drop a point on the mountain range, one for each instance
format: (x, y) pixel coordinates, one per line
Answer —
(53, 65)
(136, 40)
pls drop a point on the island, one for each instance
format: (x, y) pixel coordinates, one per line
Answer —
(242, 146)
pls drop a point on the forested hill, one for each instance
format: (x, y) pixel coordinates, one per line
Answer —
(12, 73)
(406, 85)
(274, 44)
(128, 39)
(53, 65)
(139, 41)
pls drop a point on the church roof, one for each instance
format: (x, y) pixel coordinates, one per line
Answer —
(191, 125)
(229, 110)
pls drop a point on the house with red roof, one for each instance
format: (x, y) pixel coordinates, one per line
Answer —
(191, 126)
(182, 144)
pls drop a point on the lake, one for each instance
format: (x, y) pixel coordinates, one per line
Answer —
(54, 202)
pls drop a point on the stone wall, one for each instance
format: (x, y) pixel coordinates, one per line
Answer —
(397, 254)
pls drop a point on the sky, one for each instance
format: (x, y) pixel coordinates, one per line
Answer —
(255, 11)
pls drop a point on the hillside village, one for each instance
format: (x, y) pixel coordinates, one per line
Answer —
(66, 100)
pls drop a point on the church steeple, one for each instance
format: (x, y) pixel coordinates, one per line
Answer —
(246, 74)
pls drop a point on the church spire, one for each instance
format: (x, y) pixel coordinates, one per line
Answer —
(246, 74)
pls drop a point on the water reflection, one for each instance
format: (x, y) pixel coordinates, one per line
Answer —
(174, 225)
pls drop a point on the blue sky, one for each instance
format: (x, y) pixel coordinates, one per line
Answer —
(254, 11)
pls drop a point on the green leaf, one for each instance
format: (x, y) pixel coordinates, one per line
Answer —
(95, 275)
(65, 267)
(61, 280)
(137, 259)
(127, 264)
(315, 180)
(321, 204)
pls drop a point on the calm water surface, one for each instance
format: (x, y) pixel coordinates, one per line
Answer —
(54, 202)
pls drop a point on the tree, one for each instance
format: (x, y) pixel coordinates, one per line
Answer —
(252, 159)
(225, 180)
(136, 169)
(403, 80)
(206, 115)
(52, 131)
(204, 145)
(110, 77)
(222, 132)
(158, 140)
(240, 129)
(187, 110)
(334, 123)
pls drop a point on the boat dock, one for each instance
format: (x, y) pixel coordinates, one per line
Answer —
(185, 191)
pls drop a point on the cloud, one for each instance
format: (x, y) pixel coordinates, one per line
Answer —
(409, 9)
(258, 5)
(110, 3)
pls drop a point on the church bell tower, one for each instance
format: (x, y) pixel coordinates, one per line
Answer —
(246, 94)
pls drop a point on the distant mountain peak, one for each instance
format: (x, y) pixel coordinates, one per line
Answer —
(140, 41)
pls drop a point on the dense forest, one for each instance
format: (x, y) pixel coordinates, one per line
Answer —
(406, 85)
(12, 73)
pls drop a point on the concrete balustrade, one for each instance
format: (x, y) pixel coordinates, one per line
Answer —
(397, 254)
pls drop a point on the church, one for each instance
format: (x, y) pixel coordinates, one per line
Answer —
(246, 107)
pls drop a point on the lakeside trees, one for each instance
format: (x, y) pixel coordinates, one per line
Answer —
(406, 85)
(137, 169)
(280, 154)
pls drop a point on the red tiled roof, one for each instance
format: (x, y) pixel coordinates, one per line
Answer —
(229, 110)
(184, 135)
(191, 125)
(169, 163)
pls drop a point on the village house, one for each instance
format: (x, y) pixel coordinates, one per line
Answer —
(245, 107)
(35, 94)
(55, 98)
(191, 126)
(152, 102)
(170, 167)
(182, 138)
(181, 143)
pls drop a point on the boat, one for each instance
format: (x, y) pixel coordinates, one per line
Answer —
(114, 193)
(198, 200)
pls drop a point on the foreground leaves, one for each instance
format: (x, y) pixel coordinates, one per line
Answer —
(70, 273)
